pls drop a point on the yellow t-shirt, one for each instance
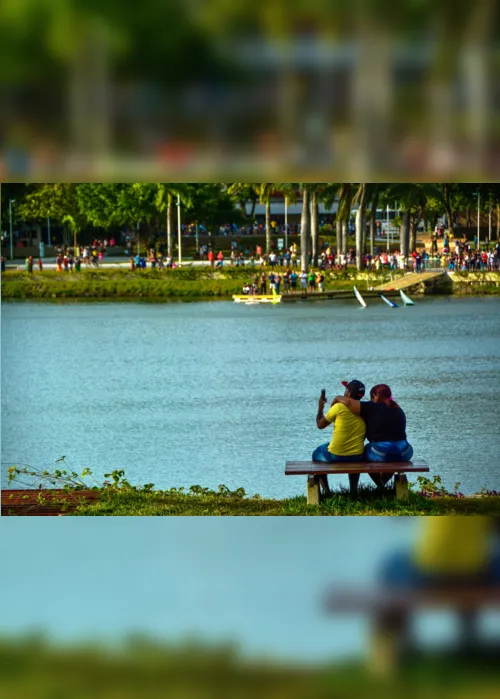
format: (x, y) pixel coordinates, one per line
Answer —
(348, 433)
(453, 545)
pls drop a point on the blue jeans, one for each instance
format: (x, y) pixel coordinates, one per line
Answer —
(324, 456)
(399, 570)
(388, 451)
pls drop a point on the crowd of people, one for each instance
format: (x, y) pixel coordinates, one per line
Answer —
(312, 280)
(456, 255)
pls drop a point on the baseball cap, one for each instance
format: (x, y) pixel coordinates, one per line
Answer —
(356, 388)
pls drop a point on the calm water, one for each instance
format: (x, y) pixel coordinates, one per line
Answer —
(210, 393)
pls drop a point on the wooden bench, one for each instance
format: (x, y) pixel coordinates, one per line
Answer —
(313, 469)
(390, 612)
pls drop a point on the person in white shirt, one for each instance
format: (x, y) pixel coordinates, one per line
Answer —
(303, 280)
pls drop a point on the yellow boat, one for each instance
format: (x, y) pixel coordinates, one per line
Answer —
(257, 298)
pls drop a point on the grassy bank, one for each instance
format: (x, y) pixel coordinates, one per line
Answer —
(209, 503)
(189, 283)
(121, 283)
(118, 497)
(145, 666)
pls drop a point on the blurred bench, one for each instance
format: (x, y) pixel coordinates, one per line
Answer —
(390, 612)
(313, 469)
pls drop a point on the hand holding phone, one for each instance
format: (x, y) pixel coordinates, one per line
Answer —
(323, 394)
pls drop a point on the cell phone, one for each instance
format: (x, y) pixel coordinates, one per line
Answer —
(323, 394)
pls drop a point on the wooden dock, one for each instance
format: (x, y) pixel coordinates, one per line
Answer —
(329, 295)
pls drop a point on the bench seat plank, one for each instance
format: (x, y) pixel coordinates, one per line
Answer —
(306, 468)
(365, 602)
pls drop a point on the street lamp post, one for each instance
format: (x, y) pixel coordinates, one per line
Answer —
(478, 220)
(11, 201)
(138, 243)
(179, 241)
(286, 223)
(387, 232)
(48, 230)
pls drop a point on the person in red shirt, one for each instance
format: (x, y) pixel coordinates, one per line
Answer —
(210, 257)
(220, 258)
(40, 264)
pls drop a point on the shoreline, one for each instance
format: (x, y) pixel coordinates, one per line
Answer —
(197, 501)
(206, 284)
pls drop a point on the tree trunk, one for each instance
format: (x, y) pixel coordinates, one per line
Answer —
(304, 231)
(451, 224)
(169, 225)
(268, 227)
(405, 244)
(412, 242)
(345, 233)
(314, 227)
(360, 228)
(338, 230)
(449, 211)
(373, 221)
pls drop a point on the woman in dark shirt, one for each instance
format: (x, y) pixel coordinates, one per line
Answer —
(385, 425)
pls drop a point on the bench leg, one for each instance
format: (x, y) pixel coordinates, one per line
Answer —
(401, 483)
(313, 494)
(389, 631)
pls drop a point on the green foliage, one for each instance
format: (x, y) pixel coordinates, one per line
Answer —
(140, 666)
(119, 497)
(57, 201)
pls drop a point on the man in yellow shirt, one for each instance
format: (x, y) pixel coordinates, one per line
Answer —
(448, 550)
(348, 439)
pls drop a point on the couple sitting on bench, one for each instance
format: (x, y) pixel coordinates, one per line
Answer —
(380, 420)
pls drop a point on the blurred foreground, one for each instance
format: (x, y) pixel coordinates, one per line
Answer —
(207, 89)
(231, 607)
(31, 668)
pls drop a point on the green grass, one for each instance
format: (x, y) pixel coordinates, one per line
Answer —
(185, 283)
(118, 497)
(204, 502)
(143, 667)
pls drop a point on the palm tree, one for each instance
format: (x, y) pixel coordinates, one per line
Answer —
(264, 191)
(329, 194)
(343, 215)
(360, 199)
(305, 223)
(313, 193)
(373, 195)
(165, 196)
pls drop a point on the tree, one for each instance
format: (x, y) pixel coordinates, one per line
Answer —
(264, 192)
(344, 215)
(412, 201)
(305, 225)
(58, 201)
(360, 200)
(164, 198)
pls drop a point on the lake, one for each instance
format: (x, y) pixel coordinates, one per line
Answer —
(178, 394)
